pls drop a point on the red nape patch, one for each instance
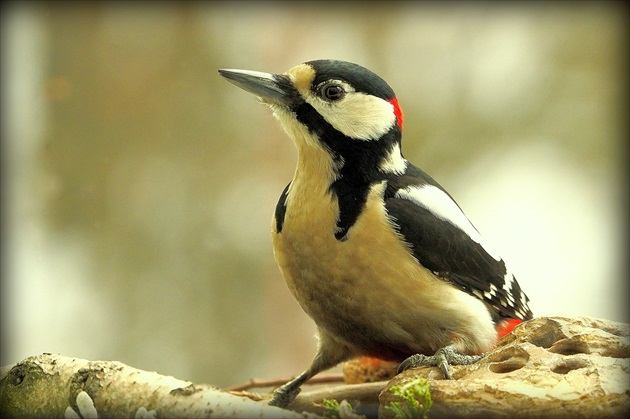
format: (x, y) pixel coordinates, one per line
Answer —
(397, 112)
(506, 326)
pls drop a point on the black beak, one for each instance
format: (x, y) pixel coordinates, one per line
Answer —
(271, 88)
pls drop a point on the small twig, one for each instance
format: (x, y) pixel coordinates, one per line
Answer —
(275, 382)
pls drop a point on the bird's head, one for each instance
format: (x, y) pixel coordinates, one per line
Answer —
(336, 106)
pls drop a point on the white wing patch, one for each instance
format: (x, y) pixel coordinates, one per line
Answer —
(443, 207)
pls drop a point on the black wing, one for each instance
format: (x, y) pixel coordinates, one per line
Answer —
(446, 249)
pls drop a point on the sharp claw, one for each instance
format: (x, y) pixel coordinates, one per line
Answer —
(441, 357)
(412, 362)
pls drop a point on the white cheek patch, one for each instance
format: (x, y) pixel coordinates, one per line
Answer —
(443, 207)
(357, 115)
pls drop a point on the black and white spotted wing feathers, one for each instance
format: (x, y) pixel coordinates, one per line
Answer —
(443, 240)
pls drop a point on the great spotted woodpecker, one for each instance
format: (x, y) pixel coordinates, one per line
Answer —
(375, 251)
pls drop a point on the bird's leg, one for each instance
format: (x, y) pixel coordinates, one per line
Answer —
(442, 358)
(329, 353)
(286, 393)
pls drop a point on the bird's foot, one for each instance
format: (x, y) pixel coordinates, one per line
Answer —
(442, 358)
(284, 395)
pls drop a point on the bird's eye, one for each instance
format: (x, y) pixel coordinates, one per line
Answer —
(332, 92)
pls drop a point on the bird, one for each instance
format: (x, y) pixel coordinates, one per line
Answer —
(374, 250)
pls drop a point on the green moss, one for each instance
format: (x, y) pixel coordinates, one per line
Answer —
(333, 408)
(337, 410)
(415, 396)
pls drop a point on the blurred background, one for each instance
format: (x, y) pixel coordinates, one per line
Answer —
(138, 186)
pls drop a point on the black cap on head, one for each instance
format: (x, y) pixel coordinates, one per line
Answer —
(362, 79)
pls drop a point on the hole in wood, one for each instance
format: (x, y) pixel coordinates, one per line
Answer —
(570, 347)
(569, 364)
(509, 360)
